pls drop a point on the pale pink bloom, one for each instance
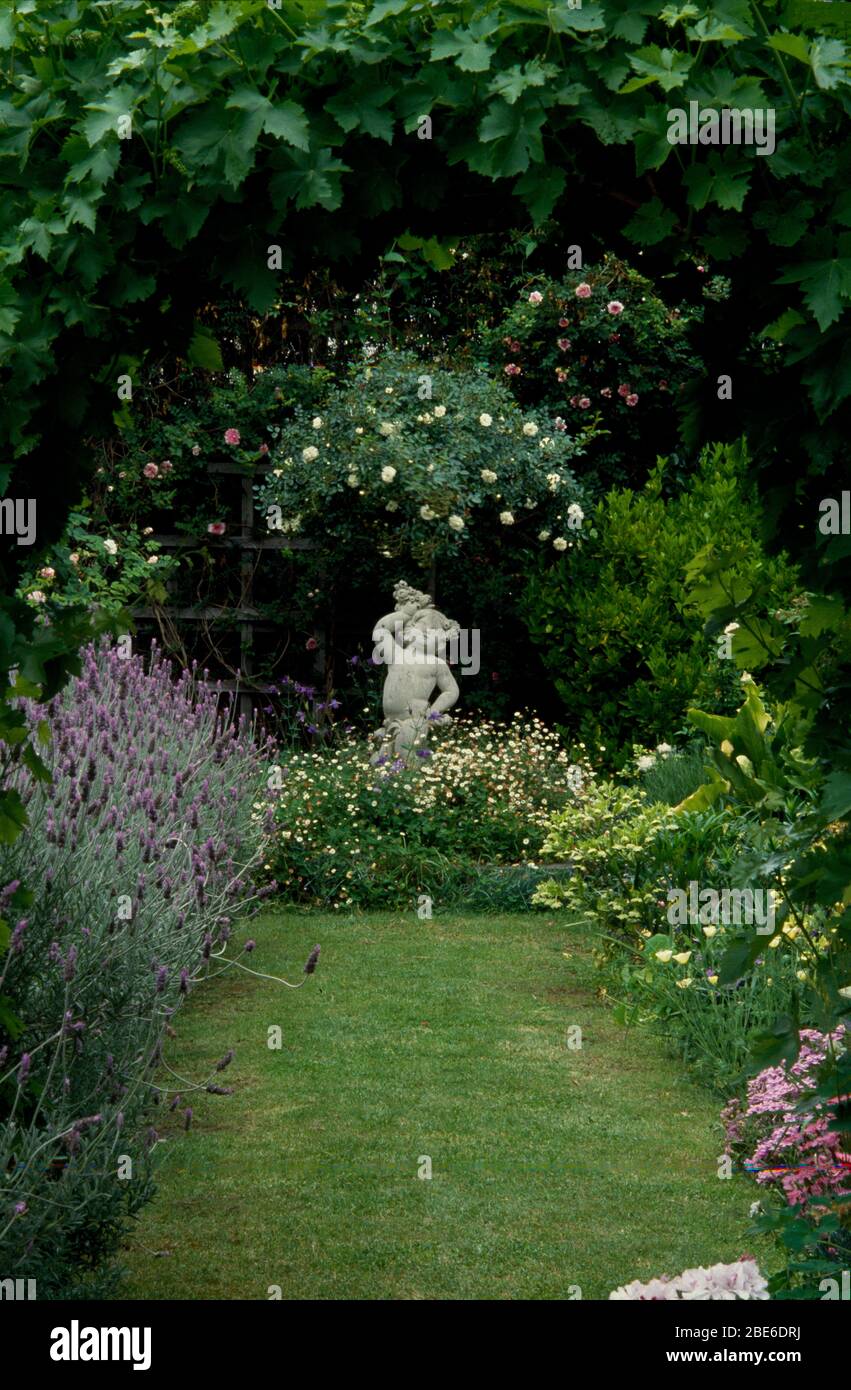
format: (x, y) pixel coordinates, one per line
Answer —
(196, 449)
(583, 291)
(654, 1291)
(535, 297)
(511, 369)
(166, 467)
(606, 391)
(584, 402)
(632, 399)
(232, 436)
(217, 528)
(614, 306)
(151, 470)
(562, 323)
(623, 389)
(264, 449)
(563, 344)
(47, 572)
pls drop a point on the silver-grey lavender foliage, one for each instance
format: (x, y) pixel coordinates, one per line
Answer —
(140, 854)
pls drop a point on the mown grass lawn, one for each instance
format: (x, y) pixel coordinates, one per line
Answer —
(551, 1167)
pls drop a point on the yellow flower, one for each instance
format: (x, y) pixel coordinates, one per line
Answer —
(664, 956)
(684, 984)
(709, 931)
(682, 957)
(713, 979)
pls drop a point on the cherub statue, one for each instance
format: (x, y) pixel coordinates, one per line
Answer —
(411, 641)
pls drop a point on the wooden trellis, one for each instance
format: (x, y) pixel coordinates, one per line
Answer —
(247, 542)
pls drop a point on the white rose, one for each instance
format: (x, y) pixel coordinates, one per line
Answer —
(553, 480)
(388, 474)
(560, 543)
(392, 507)
(439, 412)
(427, 514)
(111, 546)
(507, 518)
(353, 480)
(529, 429)
(317, 422)
(385, 428)
(488, 475)
(457, 523)
(485, 419)
(544, 535)
(310, 453)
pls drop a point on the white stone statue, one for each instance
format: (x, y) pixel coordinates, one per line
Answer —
(411, 642)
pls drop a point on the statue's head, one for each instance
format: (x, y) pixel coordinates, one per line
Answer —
(406, 596)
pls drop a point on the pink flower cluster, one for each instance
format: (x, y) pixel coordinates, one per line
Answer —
(792, 1146)
(713, 1282)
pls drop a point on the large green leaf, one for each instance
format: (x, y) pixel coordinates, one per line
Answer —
(285, 120)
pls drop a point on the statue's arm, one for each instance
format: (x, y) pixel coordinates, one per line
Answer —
(448, 687)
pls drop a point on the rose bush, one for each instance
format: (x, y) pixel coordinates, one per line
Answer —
(411, 460)
(601, 347)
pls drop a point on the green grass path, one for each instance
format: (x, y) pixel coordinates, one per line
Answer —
(552, 1167)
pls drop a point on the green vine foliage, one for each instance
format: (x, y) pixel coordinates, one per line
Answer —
(148, 154)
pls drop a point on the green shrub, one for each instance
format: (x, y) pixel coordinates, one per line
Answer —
(669, 774)
(626, 854)
(675, 988)
(614, 620)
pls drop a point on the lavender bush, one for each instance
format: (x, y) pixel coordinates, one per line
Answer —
(139, 854)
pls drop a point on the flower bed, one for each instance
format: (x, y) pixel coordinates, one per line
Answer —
(139, 853)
